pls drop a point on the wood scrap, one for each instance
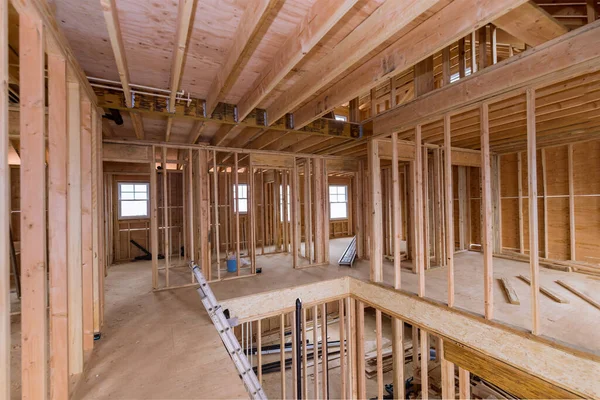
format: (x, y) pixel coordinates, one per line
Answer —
(509, 290)
(546, 291)
(579, 294)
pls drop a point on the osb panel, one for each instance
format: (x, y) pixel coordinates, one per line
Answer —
(510, 224)
(586, 168)
(509, 186)
(475, 203)
(587, 228)
(525, 173)
(557, 170)
(558, 228)
(526, 225)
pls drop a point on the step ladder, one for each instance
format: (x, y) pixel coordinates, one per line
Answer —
(349, 254)
(225, 330)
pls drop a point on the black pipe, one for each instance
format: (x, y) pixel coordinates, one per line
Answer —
(299, 347)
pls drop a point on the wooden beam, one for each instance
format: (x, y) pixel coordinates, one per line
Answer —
(482, 43)
(451, 23)
(75, 294)
(320, 19)
(486, 205)
(591, 9)
(109, 9)
(504, 375)
(34, 317)
(376, 274)
(531, 23)
(195, 132)
(138, 125)
(446, 74)
(534, 261)
(390, 18)
(492, 81)
(184, 19)
(5, 217)
(252, 20)
(449, 208)
(169, 126)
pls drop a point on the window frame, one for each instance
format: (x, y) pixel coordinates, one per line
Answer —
(120, 216)
(235, 191)
(338, 202)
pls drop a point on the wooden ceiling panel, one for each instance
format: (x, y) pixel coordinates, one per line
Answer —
(84, 26)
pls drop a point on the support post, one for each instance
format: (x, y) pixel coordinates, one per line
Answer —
(418, 213)
(534, 261)
(449, 203)
(57, 225)
(165, 202)
(486, 205)
(572, 243)
(397, 212)
(464, 383)
(398, 357)
(217, 226)
(237, 211)
(34, 324)
(424, 343)
(154, 218)
(376, 211)
(360, 350)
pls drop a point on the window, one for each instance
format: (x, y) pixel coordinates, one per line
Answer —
(341, 118)
(455, 77)
(281, 203)
(338, 202)
(243, 200)
(133, 200)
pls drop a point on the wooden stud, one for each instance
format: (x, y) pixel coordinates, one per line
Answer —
(237, 211)
(320, 239)
(57, 225)
(351, 348)
(424, 362)
(376, 274)
(426, 202)
(295, 361)
(360, 224)
(378, 339)
(592, 13)
(344, 357)
(533, 213)
(415, 350)
(447, 370)
(446, 64)
(494, 43)
(486, 201)
(304, 355)
(154, 217)
(464, 383)
(315, 312)
(87, 222)
(307, 212)
(259, 349)
(360, 350)
(252, 219)
(418, 215)
(572, 239)
(397, 212)
(217, 226)
(5, 191)
(473, 54)
(190, 216)
(398, 357)
(295, 208)
(324, 355)
(545, 203)
(325, 211)
(520, 195)
(449, 211)
(34, 323)
(75, 294)
(165, 201)
(282, 351)
(462, 58)
(482, 36)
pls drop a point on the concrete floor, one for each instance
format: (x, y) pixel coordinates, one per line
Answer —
(163, 345)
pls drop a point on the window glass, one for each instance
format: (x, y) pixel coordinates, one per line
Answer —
(338, 202)
(133, 200)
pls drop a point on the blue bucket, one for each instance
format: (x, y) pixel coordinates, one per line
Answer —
(231, 265)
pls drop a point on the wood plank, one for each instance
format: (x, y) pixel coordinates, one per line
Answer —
(447, 370)
(57, 224)
(424, 350)
(398, 357)
(451, 23)
(390, 18)
(316, 358)
(320, 19)
(126, 153)
(509, 290)
(273, 160)
(109, 9)
(505, 376)
(464, 383)
(579, 294)
(138, 125)
(75, 294)
(360, 350)
(184, 18)
(534, 256)
(87, 258)
(486, 204)
(324, 356)
(282, 368)
(376, 274)
(449, 208)
(34, 318)
(573, 53)
(5, 192)
(257, 12)
(553, 295)
(530, 23)
(379, 356)
(466, 158)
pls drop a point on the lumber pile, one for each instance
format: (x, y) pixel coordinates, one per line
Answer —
(387, 359)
